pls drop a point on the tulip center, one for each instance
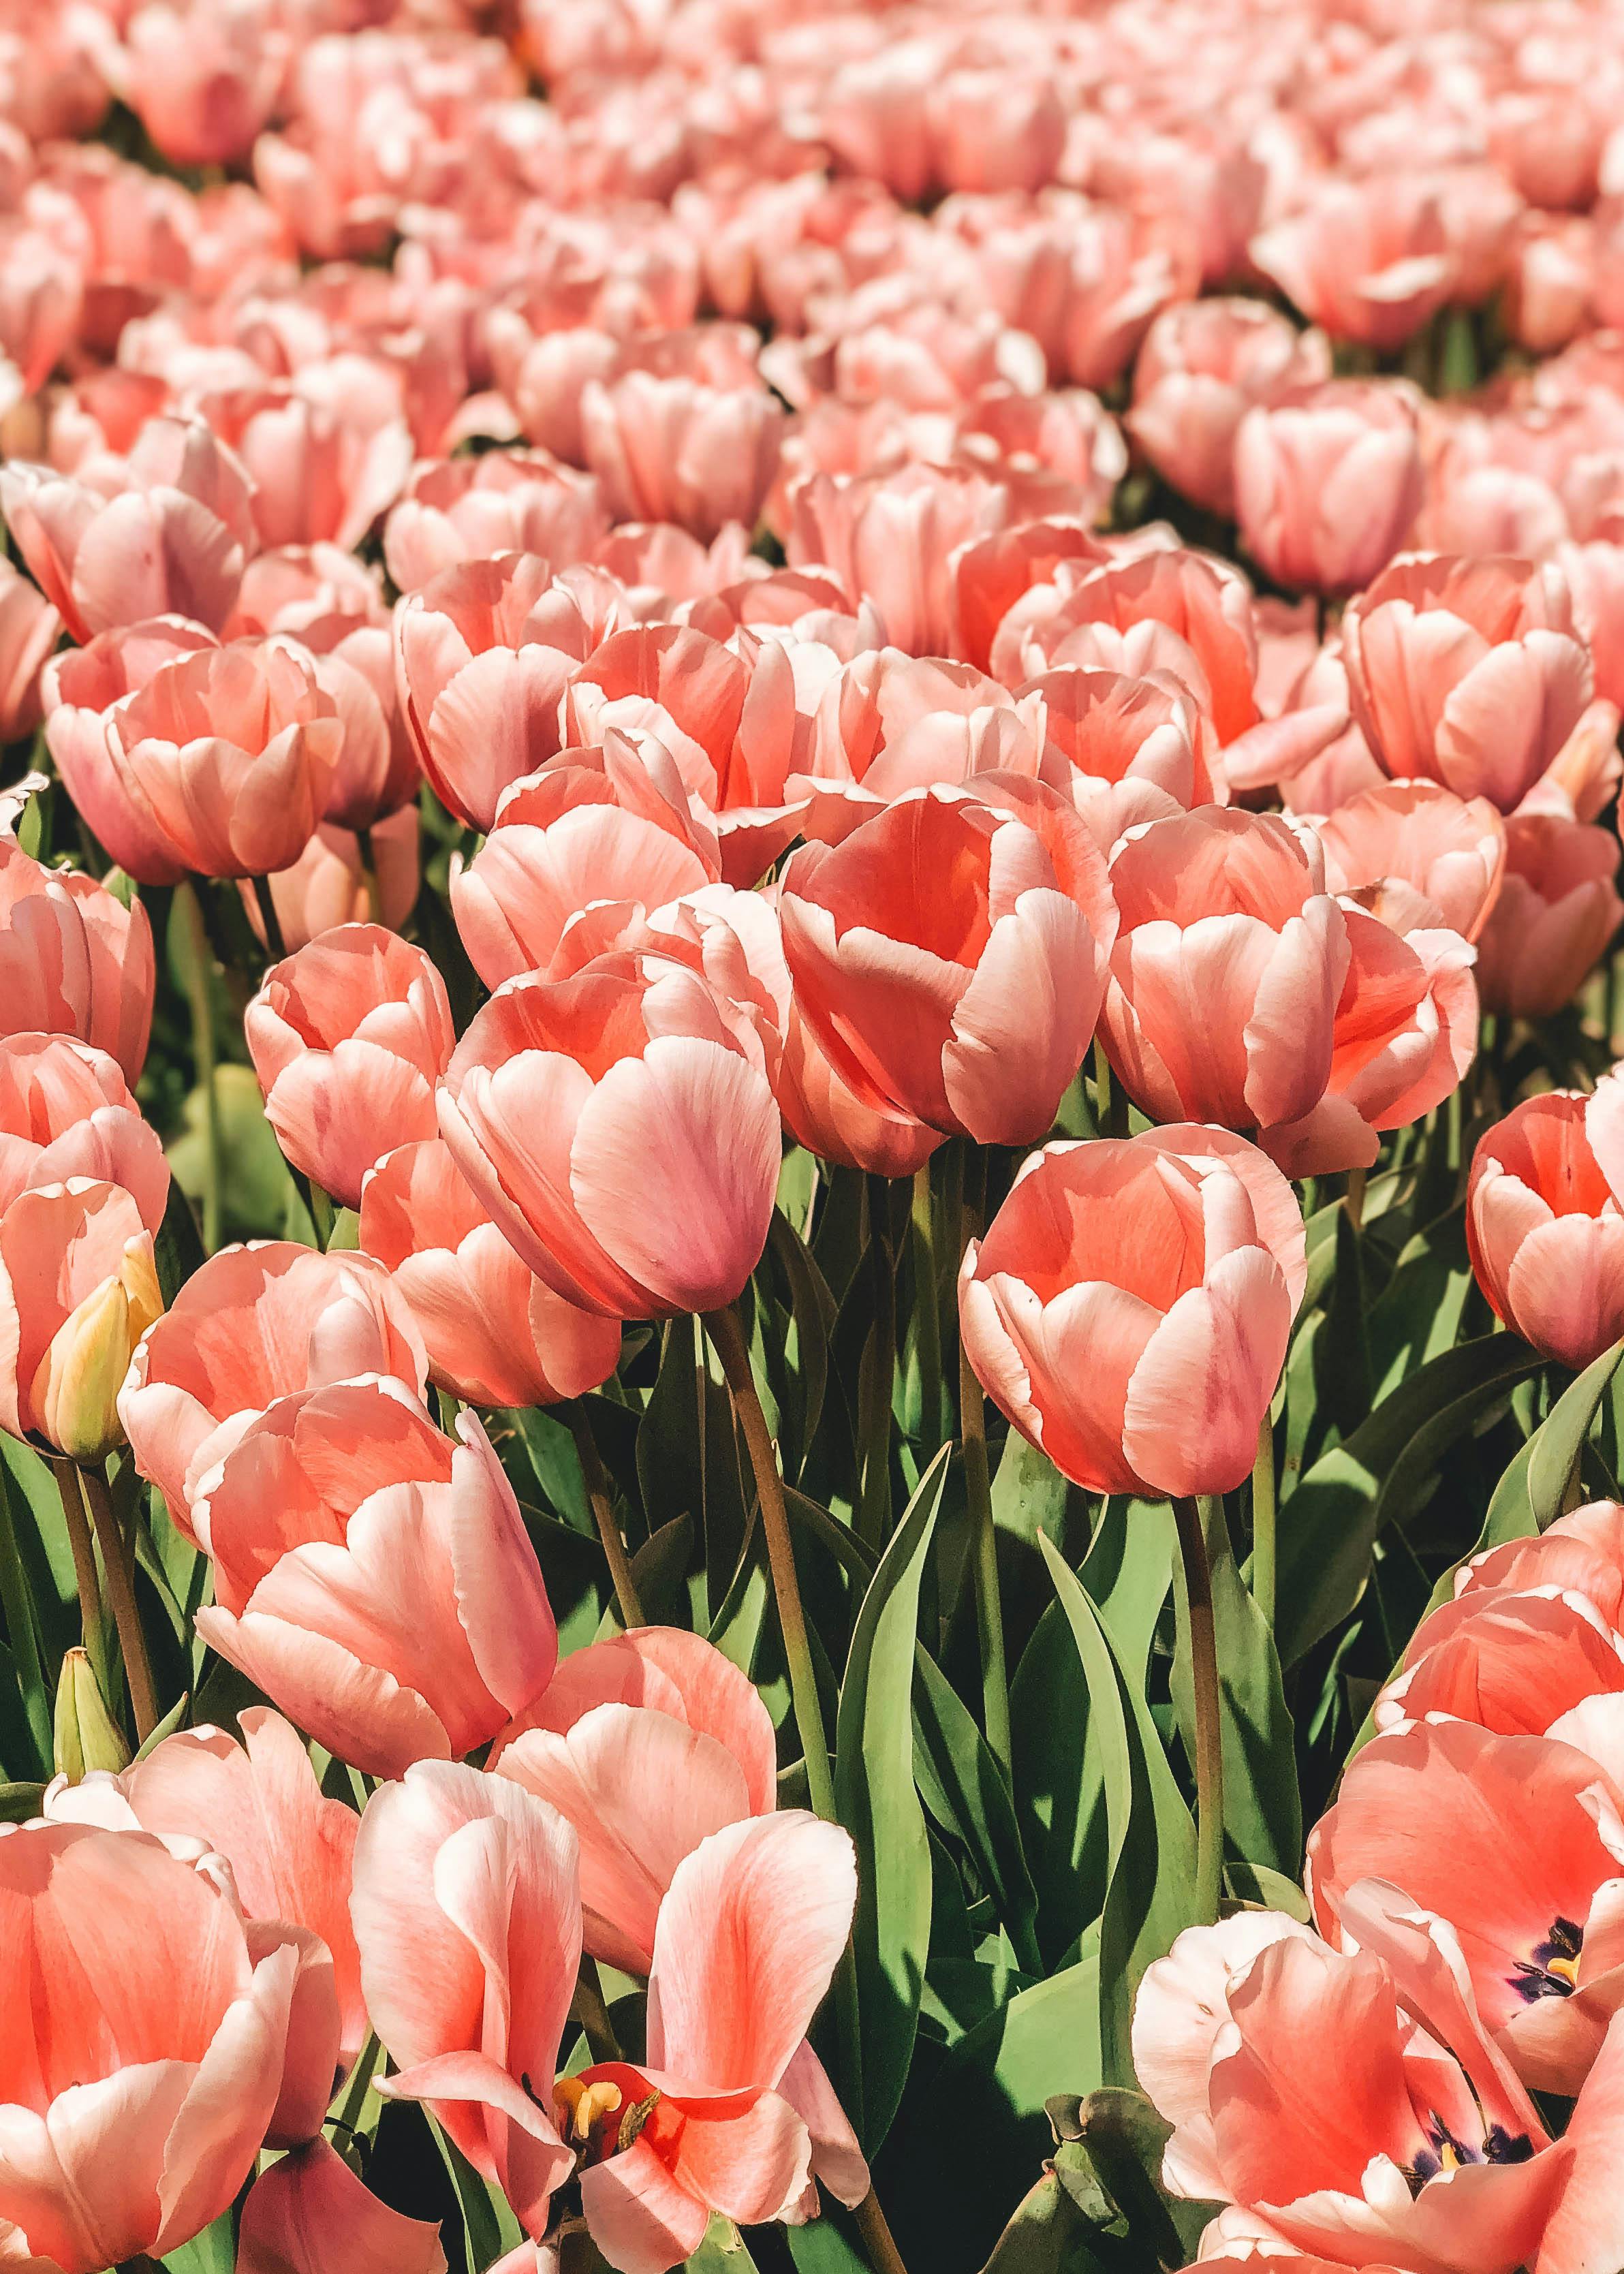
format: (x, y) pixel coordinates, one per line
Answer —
(1447, 2153)
(1552, 1970)
(603, 2112)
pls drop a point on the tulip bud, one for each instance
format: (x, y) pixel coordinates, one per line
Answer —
(75, 1392)
(86, 1735)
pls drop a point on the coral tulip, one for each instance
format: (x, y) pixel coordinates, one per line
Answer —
(29, 629)
(1327, 484)
(333, 882)
(74, 961)
(1417, 856)
(65, 1111)
(79, 1289)
(1544, 1223)
(1203, 366)
(1558, 908)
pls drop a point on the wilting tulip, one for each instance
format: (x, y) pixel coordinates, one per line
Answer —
(1130, 1306)
(948, 956)
(1204, 364)
(253, 1324)
(65, 1111)
(620, 1129)
(29, 629)
(372, 1577)
(1466, 672)
(1558, 908)
(495, 1334)
(606, 826)
(484, 652)
(1227, 971)
(1441, 1810)
(349, 1037)
(1417, 856)
(74, 961)
(1327, 484)
(78, 1291)
(1405, 1033)
(143, 2064)
(648, 1742)
(332, 883)
(1544, 1222)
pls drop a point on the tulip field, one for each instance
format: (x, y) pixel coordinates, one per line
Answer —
(811, 1137)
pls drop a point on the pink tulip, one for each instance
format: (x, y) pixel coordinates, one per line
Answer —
(1227, 972)
(377, 773)
(348, 1038)
(1328, 482)
(921, 947)
(1417, 856)
(1203, 366)
(1595, 577)
(308, 2213)
(847, 1123)
(647, 1742)
(78, 1290)
(65, 1111)
(372, 1577)
(593, 826)
(468, 1917)
(1557, 911)
(295, 585)
(893, 538)
(144, 2050)
(475, 509)
(1135, 1374)
(620, 1129)
(203, 80)
(29, 629)
(1466, 672)
(1543, 1223)
(484, 651)
(673, 448)
(1366, 260)
(495, 1334)
(254, 1324)
(331, 883)
(74, 961)
(83, 690)
(328, 452)
(1124, 750)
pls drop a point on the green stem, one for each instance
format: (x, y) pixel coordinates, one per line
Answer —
(202, 1009)
(1111, 1110)
(590, 2014)
(1208, 1729)
(118, 1562)
(874, 1499)
(727, 1340)
(1355, 1201)
(883, 2255)
(349, 2115)
(83, 1552)
(1263, 1512)
(603, 1515)
(927, 1307)
(275, 946)
(978, 1500)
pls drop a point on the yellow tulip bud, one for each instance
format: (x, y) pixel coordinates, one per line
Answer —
(75, 1389)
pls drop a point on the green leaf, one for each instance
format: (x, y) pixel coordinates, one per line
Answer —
(1270, 1891)
(255, 1187)
(211, 2252)
(490, 2226)
(1051, 2232)
(722, 2251)
(964, 1786)
(877, 1802)
(1150, 1892)
(1559, 1439)
(1123, 2137)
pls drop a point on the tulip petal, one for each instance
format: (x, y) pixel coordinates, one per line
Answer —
(310, 2214)
(1198, 1395)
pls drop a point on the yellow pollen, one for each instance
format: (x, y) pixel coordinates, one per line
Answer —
(579, 2106)
(1566, 1969)
(1448, 2157)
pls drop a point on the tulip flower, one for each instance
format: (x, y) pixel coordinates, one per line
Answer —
(648, 1742)
(1124, 750)
(1227, 970)
(78, 1290)
(1328, 482)
(670, 448)
(352, 659)
(29, 629)
(65, 1111)
(1203, 364)
(332, 883)
(308, 2213)
(475, 509)
(348, 1038)
(1544, 1222)
(374, 1578)
(1366, 260)
(1467, 672)
(620, 1129)
(1557, 909)
(1134, 1375)
(253, 1324)
(74, 961)
(146, 2052)
(82, 690)
(1438, 1810)
(1417, 856)
(202, 81)
(495, 1334)
(948, 956)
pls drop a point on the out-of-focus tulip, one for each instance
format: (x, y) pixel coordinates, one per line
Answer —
(78, 1290)
(29, 629)
(1544, 1222)
(1557, 910)
(608, 825)
(1204, 364)
(1328, 482)
(254, 1324)
(138, 2090)
(1366, 260)
(74, 961)
(1415, 855)
(202, 81)
(328, 453)
(495, 1334)
(1595, 574)
(1227, 971)
(230, 753)
(65, 1111)
(949, 955)
(475, 509)
(484, 651)
(1466, 672)
(620, 1129)
(372, 1577)
(331, 883)
(349, 1037)
(673, 449)
(648, 1742)
(1130, 1306)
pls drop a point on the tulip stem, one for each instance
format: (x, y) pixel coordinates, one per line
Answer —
(727, 1340)
(1355, 1203)
(1263, 1520)
(1110, 1113)
(877, 2239)
(603, 1516)
(1208, 1729)
(84, 1555)
(874, 1388)
(590, 2016)
(275, 946)
(118, 1562)
(202, 1009)
(926, 1308)
(978, 1500)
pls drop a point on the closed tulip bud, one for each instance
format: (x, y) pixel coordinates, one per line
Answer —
(78, 1290)
(86, 1737)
